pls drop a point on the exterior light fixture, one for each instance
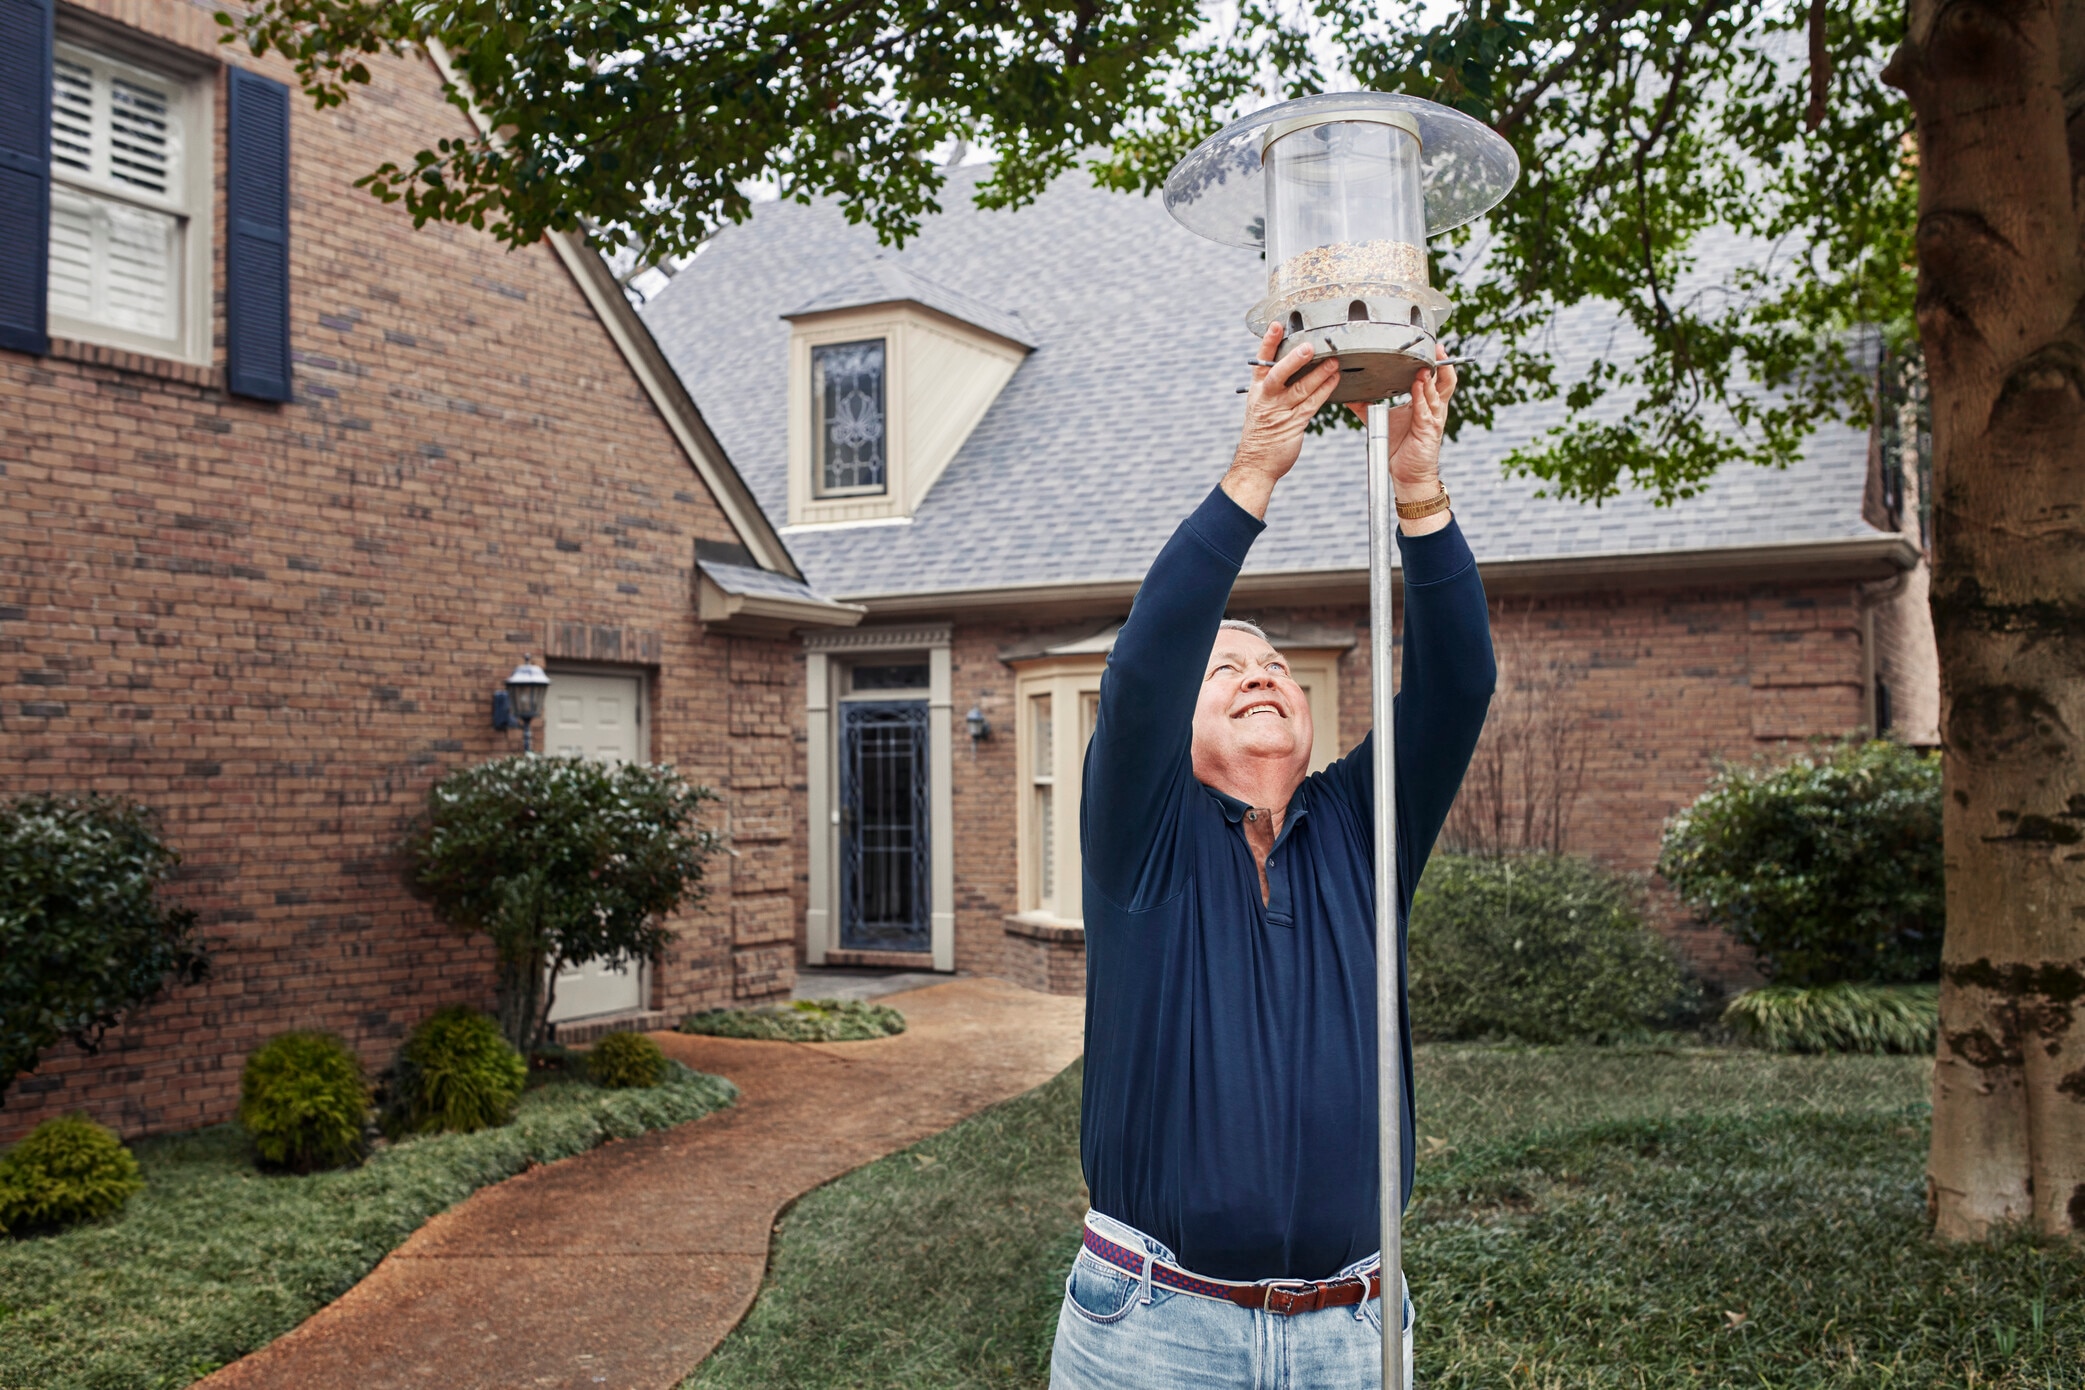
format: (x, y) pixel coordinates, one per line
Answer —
(1342, 190)
(522, 701)
(980, 727)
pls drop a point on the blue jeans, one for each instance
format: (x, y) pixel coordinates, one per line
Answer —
(1109, 1338)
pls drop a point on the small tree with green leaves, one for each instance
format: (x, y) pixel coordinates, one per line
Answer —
(1829, 868)
(85, 940)
(560, 861)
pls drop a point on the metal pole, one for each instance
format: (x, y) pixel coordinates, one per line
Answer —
(1382, 518)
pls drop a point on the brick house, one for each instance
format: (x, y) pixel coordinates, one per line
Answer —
(983, 439)
(290, 488)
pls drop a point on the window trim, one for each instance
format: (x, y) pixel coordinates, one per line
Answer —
(1068, 681)
(193, 87)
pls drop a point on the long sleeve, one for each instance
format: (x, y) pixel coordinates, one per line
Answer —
(1449, 672)
(1145, 725)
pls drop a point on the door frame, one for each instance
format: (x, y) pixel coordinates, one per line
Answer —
(642, 675)
(828, 655)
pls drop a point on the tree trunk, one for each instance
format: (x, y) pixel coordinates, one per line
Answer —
(2001, 314)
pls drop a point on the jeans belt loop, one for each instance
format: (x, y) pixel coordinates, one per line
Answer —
(1148, 1262)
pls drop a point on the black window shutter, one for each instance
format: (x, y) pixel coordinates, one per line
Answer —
(25, 172)
(257, 248)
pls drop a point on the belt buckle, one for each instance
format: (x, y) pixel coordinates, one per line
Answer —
(1291, 1290)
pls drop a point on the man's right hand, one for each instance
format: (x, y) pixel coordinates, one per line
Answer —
(1275, 414)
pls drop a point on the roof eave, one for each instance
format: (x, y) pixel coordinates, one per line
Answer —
(767, 615)
(1852, 558)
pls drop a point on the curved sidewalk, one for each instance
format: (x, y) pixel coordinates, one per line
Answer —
(626, 1266)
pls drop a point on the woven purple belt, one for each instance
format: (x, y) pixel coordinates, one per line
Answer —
(1285, 1296)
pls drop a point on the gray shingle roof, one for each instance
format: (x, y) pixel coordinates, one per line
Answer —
(754, 582)
(1125, 414)
(886, 282)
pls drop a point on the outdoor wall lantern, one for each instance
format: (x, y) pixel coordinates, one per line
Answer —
(979, 726)
(1342, 190)
(522, 701)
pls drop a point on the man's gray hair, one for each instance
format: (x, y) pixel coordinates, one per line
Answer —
(1240, 625)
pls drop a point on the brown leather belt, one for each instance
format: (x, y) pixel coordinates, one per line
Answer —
(1284, 1296)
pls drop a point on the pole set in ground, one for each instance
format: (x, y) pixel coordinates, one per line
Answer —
(1382, 651)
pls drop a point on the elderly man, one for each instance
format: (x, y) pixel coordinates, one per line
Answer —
(1229, 1121)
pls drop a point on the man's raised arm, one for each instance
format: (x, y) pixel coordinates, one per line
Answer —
(1145, 726)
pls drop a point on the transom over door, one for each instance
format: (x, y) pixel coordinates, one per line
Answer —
(598, 717)
(885, 883)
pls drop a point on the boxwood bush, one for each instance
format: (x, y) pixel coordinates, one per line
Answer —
(622, 1060)
(1828, 868)
(303, 1101)
(455, 1074)
(84, 938)
(65, 1171)
(1538, 948)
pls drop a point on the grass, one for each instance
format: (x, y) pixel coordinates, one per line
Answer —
(1640, 1218)
(215, 1259)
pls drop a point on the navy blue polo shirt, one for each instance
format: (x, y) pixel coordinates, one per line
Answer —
(1230, 1100)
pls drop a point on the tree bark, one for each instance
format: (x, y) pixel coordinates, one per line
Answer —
(1998, 88)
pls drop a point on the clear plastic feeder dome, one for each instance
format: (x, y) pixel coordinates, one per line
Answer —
(1342, 190)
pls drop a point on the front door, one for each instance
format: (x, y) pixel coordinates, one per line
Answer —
(598, 717)
(884, 883)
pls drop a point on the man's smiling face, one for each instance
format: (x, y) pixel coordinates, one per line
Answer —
(1251, 714)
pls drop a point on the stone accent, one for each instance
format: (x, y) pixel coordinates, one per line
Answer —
(1046, 956)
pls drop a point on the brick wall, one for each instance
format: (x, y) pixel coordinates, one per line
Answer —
(1660, 684)
(280, 624)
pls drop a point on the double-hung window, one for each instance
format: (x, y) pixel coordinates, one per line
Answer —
(130, 199)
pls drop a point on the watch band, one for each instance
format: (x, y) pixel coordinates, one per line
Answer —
(1413, 511)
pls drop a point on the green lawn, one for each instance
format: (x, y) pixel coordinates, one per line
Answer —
(214, 1259)
(1638, 1218)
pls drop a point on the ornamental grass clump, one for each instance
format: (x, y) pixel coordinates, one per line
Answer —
(1837, 1018)
(801, 1020)
(67, 1170)
(455, 1074)
(303, 1102)
(623, 1060)
(1536, 948)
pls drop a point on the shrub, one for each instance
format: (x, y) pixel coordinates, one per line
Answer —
(1829, 868)
(67, 1170)
(1837, 1018)
(455, 1074)
(626, 1059)
(303, 1101)
(84, 939)
(802, 1020)
(560, 861)
(1539, 948)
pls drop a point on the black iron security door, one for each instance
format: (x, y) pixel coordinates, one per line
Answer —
(883, 826)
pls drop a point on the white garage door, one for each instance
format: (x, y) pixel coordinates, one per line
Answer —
(598, 717)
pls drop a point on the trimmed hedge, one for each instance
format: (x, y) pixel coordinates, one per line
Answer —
(622, 1061)
(1828, 868)
(455, 1074)
(303, 1101)
(1537, 948)
(803, 1020)
(66, 1170)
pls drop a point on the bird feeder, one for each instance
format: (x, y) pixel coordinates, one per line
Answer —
(1342, 191)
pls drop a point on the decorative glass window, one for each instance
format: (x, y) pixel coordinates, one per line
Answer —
(849, 425)
(908, 676)
(123, 206)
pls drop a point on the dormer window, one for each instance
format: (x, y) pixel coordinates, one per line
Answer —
(851, 428)
(888, 374)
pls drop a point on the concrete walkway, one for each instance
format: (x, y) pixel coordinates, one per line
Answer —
(626, 1266)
